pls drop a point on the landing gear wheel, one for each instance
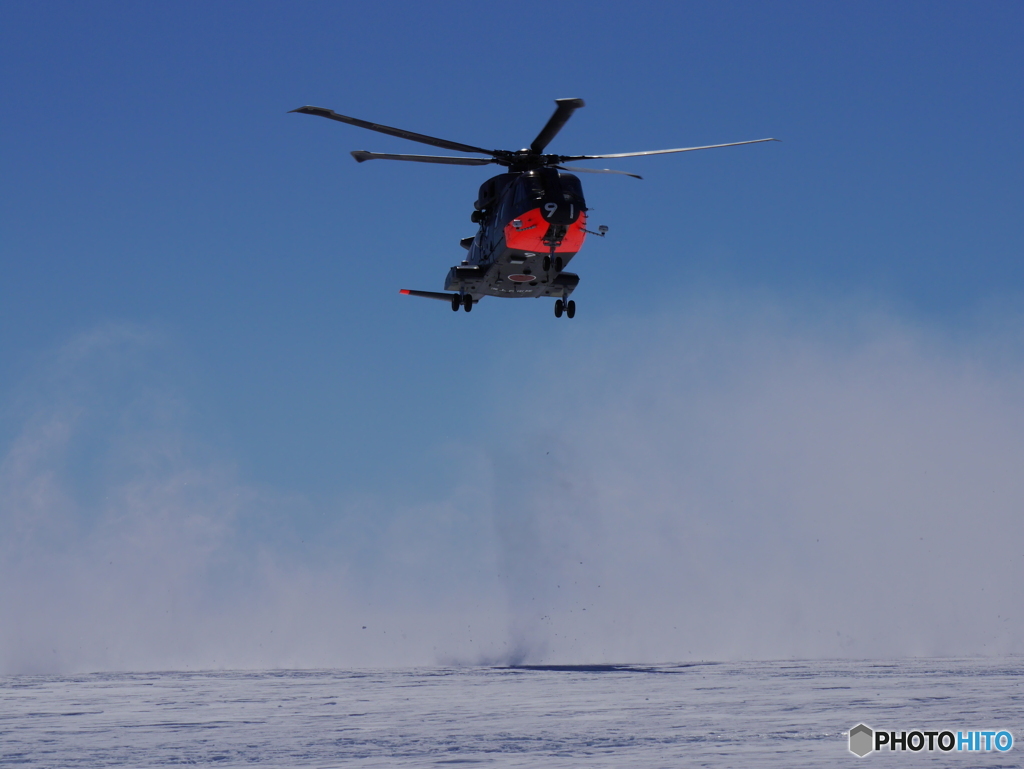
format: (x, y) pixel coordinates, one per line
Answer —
(467, 302)
(547, 263)
(559, 306)
(570, 308)
(558, 264)
(456, 302)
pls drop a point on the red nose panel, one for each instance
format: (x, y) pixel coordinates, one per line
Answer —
(530, 234)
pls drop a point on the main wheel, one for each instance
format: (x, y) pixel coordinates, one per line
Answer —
(547, 263)
(570, 308)
(558, 308)
(558, 264)
(467, 302)
(456, 302)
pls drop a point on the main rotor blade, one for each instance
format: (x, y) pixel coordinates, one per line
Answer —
(399, 132)
(563, 112)
(362, 156)
(598, 171)
(662, 152)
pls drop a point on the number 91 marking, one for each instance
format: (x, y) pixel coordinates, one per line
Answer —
(552, 208)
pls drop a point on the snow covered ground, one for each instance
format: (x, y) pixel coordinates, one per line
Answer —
(753, 714)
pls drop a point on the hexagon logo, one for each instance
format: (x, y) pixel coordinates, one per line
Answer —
(862, 740)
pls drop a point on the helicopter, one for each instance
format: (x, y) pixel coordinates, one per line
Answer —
(532, 218)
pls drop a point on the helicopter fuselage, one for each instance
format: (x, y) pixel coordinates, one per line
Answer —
(532, 223)
(532, 218)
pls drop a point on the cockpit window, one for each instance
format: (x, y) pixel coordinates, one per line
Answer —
(536, 184)
(492, 189)
(547, 184)
(529, 188)
(572, 190)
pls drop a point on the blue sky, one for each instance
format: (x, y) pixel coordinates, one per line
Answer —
(197, 284)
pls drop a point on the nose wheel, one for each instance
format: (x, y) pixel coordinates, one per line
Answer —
(557, 263)
(569, 308)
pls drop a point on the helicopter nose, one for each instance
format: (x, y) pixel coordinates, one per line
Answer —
(560, 211)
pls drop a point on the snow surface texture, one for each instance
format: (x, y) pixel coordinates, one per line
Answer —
(791, 714)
